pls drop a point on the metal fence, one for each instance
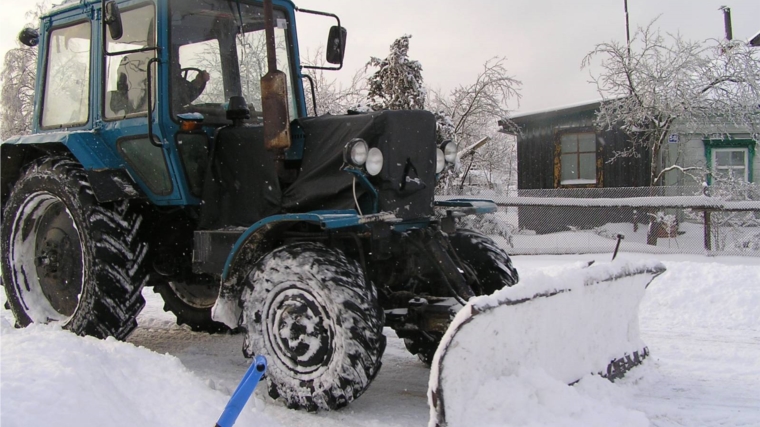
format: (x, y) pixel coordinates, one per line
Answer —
(688, 220)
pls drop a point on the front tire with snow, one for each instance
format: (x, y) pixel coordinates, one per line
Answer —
(488, 263)
(68, 258)
(310, 311)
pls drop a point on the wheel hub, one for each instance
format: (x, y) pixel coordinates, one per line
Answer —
(299, 330)
(47, 245)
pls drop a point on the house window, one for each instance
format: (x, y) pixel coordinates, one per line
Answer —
(731, 163)
(730, 159)
(578, 158)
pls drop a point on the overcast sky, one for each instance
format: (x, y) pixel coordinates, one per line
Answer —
(544, 40)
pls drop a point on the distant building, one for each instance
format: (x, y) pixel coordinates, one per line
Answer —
(561, 148)
(731, 151)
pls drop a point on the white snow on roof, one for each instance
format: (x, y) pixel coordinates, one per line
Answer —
(755, 40)
(65, 4)
(549, 110)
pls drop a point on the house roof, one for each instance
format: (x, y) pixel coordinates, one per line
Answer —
(549, 113)
(755, 40)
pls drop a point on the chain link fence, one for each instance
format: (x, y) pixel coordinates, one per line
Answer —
(687, 220)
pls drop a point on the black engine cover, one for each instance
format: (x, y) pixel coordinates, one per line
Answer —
(407, 181)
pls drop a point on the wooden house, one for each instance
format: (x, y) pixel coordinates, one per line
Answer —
(561, 149)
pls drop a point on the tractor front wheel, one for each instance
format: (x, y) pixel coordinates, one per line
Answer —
(487, 262)
(309, 310)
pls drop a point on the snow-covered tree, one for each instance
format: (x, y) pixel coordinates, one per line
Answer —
(478, 106)
(17, 79)
(474, 111)
(661, 80)
(397, 84)
(19, 71)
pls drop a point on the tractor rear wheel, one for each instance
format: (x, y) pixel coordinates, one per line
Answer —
(309, 310)
(67, 258)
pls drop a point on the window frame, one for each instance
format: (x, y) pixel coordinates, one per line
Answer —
(712, 145)
(294, 73)
(46, 72)
(598, 175)
(130, 161)
(106, 55)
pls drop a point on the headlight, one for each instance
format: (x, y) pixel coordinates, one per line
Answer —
(374, 161)
(440, 160)
(355, 152)
(449, 151)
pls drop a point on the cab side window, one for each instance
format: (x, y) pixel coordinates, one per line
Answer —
(127, 74)
(66, 100)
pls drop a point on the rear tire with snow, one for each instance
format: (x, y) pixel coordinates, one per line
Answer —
(310, 311)
(68, 258)
(486, 261)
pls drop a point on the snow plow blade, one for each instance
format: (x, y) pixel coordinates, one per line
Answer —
(570, 322)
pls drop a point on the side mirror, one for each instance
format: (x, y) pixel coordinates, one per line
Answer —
(29, 37)
(112, 19)
(336, 45)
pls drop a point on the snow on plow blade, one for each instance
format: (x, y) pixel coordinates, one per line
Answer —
(569, 323)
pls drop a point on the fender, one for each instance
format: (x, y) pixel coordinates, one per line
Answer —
(88, 148)
(260, 239)
(106, 171)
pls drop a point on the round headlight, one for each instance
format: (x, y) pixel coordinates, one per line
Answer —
(440, 160)
(374, 161)
(355, 152)
(449, 151)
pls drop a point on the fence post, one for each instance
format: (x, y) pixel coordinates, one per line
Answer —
(708, 244)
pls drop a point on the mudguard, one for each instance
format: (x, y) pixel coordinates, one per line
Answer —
(571, 323)
(105, 171)
(258, 240)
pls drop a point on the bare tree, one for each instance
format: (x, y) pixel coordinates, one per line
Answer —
(331, 96)
(474, 106)
(474, 111)
(659, 81)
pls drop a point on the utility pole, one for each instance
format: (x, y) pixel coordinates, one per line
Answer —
(627, 29)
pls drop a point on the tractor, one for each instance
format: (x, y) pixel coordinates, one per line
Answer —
(171, 148)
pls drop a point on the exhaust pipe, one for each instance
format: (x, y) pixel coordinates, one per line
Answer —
(274, 97)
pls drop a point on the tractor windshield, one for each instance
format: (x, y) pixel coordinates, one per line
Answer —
(218, 51)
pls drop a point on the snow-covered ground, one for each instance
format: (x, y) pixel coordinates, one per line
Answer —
(701, 321)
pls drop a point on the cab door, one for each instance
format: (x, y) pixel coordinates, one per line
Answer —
(129, 72)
